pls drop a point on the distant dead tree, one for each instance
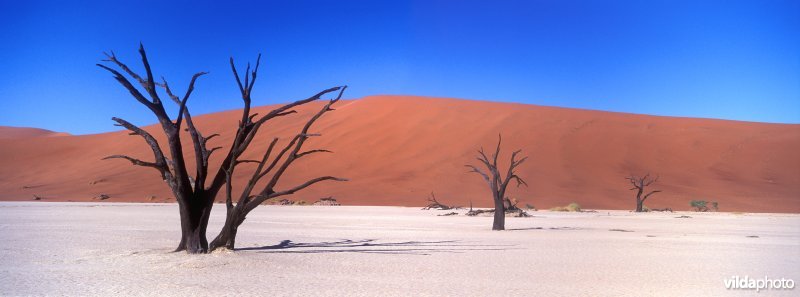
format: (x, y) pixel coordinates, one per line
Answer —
(497, 184)
(639, 184)
(436, 205)
(196, 195)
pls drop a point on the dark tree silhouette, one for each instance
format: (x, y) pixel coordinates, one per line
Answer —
(496, 183)
(639, 184)
(195, 196)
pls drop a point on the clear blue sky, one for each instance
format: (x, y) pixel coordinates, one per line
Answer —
(717, 59)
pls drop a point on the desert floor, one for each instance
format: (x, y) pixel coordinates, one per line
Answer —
(106, 249)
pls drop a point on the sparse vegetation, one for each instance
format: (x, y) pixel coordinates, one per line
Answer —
(327, 201)
(572, 207)
(530, 206)
(666, 209)
(704, 206)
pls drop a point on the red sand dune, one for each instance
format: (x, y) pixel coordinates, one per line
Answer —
(397, 149)
(24, 132)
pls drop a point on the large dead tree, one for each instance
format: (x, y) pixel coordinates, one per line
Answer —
(498, 184)
(196, 195)
(639, 184)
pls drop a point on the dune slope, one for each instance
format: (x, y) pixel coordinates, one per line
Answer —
(397, 149)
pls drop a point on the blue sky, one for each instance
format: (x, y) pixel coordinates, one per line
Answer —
(717, 59)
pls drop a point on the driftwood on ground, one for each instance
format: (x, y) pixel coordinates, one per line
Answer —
(328, 201)
(436, 205)
(662, 209)
(512, 211)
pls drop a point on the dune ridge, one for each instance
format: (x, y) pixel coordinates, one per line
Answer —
(26, 132)
(397, 149)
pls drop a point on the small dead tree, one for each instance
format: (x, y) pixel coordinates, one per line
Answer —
(195, 195)
(436, 205)
(639, 184)
(498, 184)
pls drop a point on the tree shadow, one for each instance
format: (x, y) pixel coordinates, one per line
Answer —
(542, 228)
(371, 246)
(521, 229)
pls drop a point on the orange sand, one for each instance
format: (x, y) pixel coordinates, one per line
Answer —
(397, 149)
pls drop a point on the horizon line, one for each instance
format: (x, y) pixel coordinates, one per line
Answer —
(497, 101)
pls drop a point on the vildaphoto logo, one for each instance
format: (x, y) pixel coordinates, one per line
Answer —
(766, 283)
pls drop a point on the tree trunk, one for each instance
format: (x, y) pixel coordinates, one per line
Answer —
(639, 201)
(227, 236)
(499, 215)
(194, 222)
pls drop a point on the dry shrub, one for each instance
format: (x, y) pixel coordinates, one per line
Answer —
(572, 207)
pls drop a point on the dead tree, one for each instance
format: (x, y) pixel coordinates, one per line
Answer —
(195, 195)
(498, 184)
(639, 184)
(511, 204)
(436, 205)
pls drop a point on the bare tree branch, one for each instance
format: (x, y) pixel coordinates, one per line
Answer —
(135, 161)
(236, 75)
(497, 151)
(127, 84)
(478, 171)
(160, 161)
(189, 90)
(149, 85)
(113, 58)
(311, 152)
(651, 193)
(261, 198)
(199, 143)
(246, 193)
